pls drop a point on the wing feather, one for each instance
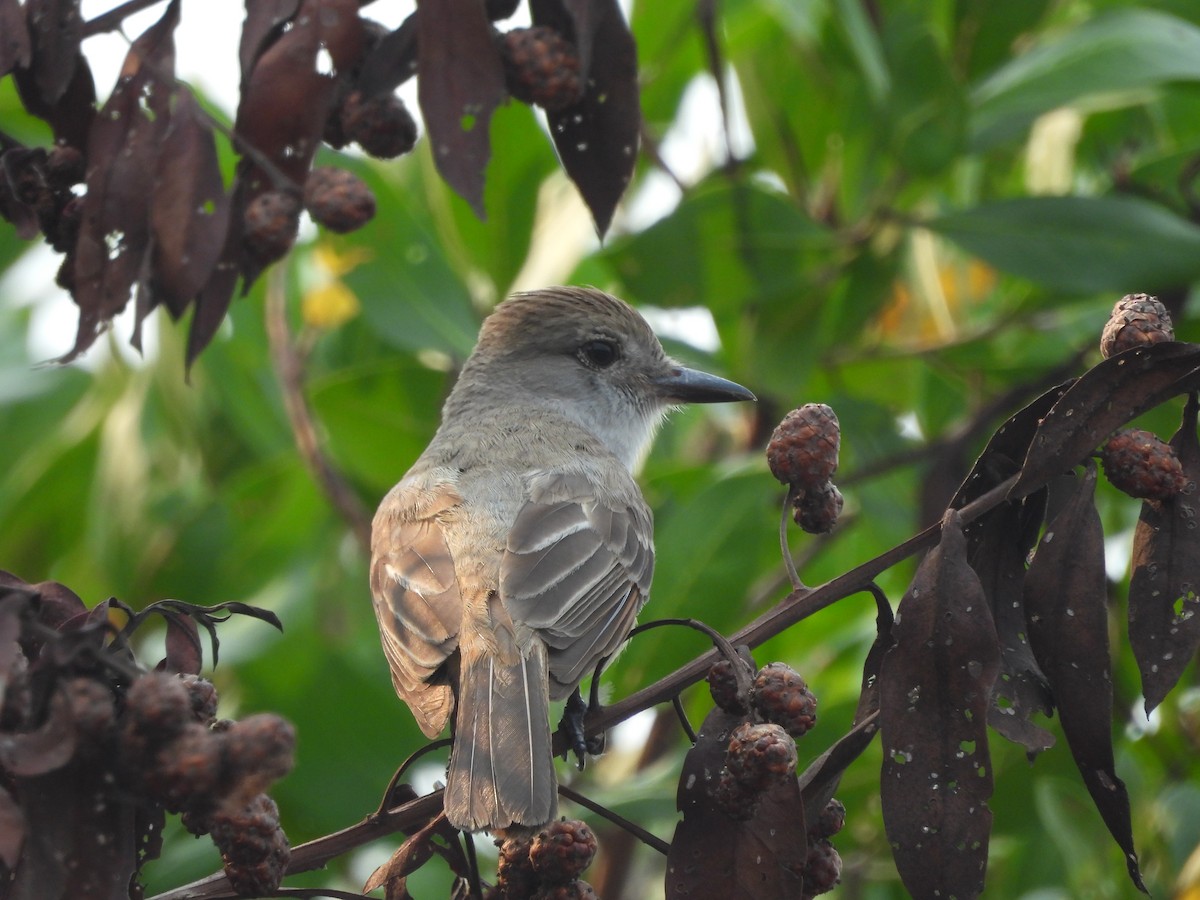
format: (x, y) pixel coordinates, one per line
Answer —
(577, 570)
(417, 601)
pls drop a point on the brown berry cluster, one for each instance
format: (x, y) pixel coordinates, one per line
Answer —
(823, 866)
(37, 193)
(1137, 320)
(547, 866)
(269, 225)
(380, 124)
(77, 706)
(337, 199)
(1142, 465)
(762, 748)
(803, 454)
(541, 67)
(211, 772)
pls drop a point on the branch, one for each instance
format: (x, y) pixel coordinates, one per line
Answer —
(795, 607)
(289, 369)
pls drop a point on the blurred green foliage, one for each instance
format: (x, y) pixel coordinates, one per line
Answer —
(941, 203)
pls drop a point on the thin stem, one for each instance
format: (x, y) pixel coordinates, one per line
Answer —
(115, 17)
(289, 369)
(684, 722)
(788, 562)
(650, 840)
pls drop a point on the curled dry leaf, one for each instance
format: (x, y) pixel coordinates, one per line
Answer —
(1065, 602)
(15, 46)
(1164, 590)
(460, 82)
(935, 688)
(597, 138)
(123, 149)
(285, 102)
(1101, 400)
(56, 30)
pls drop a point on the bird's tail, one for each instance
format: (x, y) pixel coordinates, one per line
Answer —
(502, 765)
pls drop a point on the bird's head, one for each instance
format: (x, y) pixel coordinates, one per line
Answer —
(587, 355)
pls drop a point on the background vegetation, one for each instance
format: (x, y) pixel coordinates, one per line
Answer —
(921, 216)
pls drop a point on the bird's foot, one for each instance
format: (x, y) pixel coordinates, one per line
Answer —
(572, 725)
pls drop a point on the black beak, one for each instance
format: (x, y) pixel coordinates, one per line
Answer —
(682, 385)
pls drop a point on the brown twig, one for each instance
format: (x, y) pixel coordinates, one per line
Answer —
(650, 840)
(794, 608)
(289, 369)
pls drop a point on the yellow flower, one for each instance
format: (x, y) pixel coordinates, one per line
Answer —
(329, 305)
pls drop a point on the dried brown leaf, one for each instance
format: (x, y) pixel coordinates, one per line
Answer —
(460, 82)
(48, 747)
(56, 31)
(1101, 400)
(597, 138)
(189, 213)
(1164, 590)
(1065, 602)
(411, 855)
(123, 149)
(935, 688)
(72, 114)
(761, 857)
(15, 45)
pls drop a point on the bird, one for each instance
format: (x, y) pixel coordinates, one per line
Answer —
(517, 551)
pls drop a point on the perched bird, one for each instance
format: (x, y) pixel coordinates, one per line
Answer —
(517, 551)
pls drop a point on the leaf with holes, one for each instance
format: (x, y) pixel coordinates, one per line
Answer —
(1065, 602)
(935, 687)
(1164, 606)
(1101, 400)
(123, 149)
(460, 81)
(264, 20)
(72, 114)
(280, 119)
(597, 138)
(761, 857)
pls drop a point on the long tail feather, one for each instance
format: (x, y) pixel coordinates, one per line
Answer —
(501, 766)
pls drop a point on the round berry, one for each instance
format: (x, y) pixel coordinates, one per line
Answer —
(816, 510)
(542, 67)
(803, 450)
(92, 709)
(65, 166)
(337, 199)
(269, 225)
(187, 771)
(738, 801)
(781, 696)
(381, 124)
(258, 750)
(831, 821)
(157, 707)
(515, 877)
(1137, 320)
(723, 685)
(760, 755)
(203, 696)
(562, 850)
(1140, 464)
(822, 868)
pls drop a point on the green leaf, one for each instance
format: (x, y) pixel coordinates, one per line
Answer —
(1122, 50)
(726, 243)
(411, 295)
(1080, 244)
(864, 45)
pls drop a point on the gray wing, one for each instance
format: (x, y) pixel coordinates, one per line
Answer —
(577, 570)
(417, 603)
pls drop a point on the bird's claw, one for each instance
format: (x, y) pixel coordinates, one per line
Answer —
(572, 725)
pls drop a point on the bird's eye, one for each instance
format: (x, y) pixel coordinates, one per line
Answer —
(600, 354)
